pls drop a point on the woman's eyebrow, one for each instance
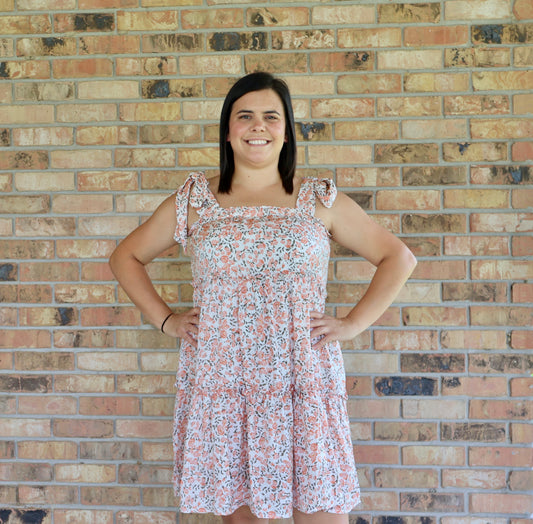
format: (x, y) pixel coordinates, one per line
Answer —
(270, 111)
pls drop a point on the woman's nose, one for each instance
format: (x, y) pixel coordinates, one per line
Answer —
(257, 124)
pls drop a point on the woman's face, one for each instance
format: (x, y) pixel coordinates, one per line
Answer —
(257, 129)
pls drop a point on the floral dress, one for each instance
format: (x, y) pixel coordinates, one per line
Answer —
(260, 417)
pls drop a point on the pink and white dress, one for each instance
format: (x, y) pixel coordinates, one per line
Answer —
(260, 416)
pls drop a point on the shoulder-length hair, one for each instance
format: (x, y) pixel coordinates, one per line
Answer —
(287, 158)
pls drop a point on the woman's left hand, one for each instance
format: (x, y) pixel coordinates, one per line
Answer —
(331, 328)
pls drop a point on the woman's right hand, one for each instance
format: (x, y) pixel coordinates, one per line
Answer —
(184, 325)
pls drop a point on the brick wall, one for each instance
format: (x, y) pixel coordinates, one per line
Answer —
(420, 111)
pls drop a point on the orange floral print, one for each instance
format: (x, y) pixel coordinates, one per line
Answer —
(260, 417)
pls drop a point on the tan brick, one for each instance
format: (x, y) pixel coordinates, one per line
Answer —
(147, 21)
(523, 57)
(156, 429)
(476, 104)
(25, 427)
(477, 9)
(209, 65)
(74, 204)
(368, 176)
(416, 36)
(44, 91)
(435, 82)
(143, 157)
(94, 473)
(433, 455)
(108, 135)
(102, 89)
(84, 294)
(501, 80)
(478, 245)
(474, 152)
(326, 15)
(43, 136)
(93, 158)
(51, 450)
(18, 114)
(85, 383)
(371, 38)
(83, 516)
(370, 83)
(501, 222)
(476, 198)
(409, 106)
(84, 113)
(45, 227)
(522, 104)
(501, 316)
(18, 204)
(410, 59)
(521, 433)
(25, 24)
(502, 128)
(202, 19)
(434, 316)
(424, 129)
(475, 386)
(408, 199)
(109, 44)
(48, 271)
(501, 269)
(343, 154)
(107, 181)
(367, 130)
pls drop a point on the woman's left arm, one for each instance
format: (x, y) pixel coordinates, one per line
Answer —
(351, 227)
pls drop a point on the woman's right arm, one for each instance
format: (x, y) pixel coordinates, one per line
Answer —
(128, 263)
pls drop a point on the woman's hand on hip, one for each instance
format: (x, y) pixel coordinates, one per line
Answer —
(184, 325)
(330, 329)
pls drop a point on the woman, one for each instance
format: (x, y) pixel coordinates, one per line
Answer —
(261, 428)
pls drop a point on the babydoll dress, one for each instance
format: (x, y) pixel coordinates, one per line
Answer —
(260, 416)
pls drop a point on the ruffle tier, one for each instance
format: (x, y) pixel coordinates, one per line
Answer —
(270, 451)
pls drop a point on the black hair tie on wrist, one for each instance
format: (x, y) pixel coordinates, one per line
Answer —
(168, 316)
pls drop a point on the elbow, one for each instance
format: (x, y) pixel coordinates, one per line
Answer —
(409, 260)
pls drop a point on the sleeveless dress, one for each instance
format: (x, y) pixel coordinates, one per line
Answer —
(260, 417)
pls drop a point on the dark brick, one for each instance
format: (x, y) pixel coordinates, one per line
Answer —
(475, 432)
(440, 502)
(434, 223)
(8, 272)
(391, 386)
(94, 22)
(26, 383)
(233, 41)
(435, 175)
(363, 198)
(488, 34)
(423, 363)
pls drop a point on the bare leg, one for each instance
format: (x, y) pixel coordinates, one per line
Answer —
(243, 515)
(320, 517)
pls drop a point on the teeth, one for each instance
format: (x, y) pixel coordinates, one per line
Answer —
(257, 142)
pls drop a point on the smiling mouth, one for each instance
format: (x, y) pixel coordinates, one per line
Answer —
(257, 142)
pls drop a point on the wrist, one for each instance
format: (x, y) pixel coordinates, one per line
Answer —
(165, 320)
